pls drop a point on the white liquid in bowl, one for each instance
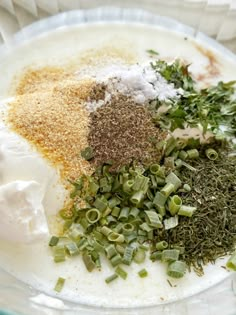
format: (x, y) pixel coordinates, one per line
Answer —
(33, 263)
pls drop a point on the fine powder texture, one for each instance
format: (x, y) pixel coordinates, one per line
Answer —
(122, 131)
(57, 123)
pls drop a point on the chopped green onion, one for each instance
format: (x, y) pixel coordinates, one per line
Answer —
(137, 197)
(168, 189)
(176, 269)
(53, 241)
(161, 245)
(93, 188)
(59, 253)
(159, 200)
(139, 256)
(143, 273)
(93, 215)
(100, 204)
(192, 154)
(116, 212)
(155, 169)
(188, 166)
(133, 212)
(156, 256)
(104, 185)
(160, 181)
(66, 214)
(116, 260)
(154, 219)
(110, 251)
(186, 187)
(120, 249)
(127, 186)
(183, 155)
(87, 153)
(111, 278)
(106, 230)
(186, 211)
(113, 202)
(170, 146)
(72, 249)
(174, 180)
(131, 237)
(128, 228)
(171, 222)
(145, 227)
(231, 263)
(121, 272)
(211, 154)
(128, 255)
(89, 263)
(59, 285)
(115, 237)
(174, 204)
(124, 214)
(170, 255)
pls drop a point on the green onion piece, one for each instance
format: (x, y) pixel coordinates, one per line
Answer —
(104, 185)
(124, 214)
(138, 182)
(162, 211)
(110, 219)
(161, 245)
(173, 179)
(100, 204)
(82, 244)
(84, 223)
(113, 202)
(93, 188)
(186, 211)
(139, 256)
(175, 154)
(127, 186)
(106, 230)
(111, 278)
(98, 235)
(115, 237)
(183, 155)
(98, 263)
(168, 189)
(231, 263)
(59, 253)
(120, 249)
(178, 163)
(171, 222)
(131, 237)
(93, 215)
(137, 197)
(133, 213)
(211, 154)
(170, 146)
(180, 248)
(159, 200)
(156, 256)
(89, 263)
(121, 272)
(87, 153)
(153, 181)
(192, 154)
(72, 249)
(59, 285)
(145, 227)
(118, 228)
(98, 246)
(174, 204)
(143, 232)
(176, 269)
(186, 187)
(53, 241)
(155, 169)
(154, 219)
(170, 255)
(191, 168)
(143, 273)
(128, 255)
(116, 260)
(160, 181)
(110, 251)
(150, 235)
(128, 228)
(148, 204)
(116, 212)
(169, 162)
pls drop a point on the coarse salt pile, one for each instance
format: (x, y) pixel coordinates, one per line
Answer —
(140, 82)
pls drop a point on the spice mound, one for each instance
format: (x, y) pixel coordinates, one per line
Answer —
(122, 131)
(56, 123)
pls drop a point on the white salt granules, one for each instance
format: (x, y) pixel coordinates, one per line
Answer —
(142, 83)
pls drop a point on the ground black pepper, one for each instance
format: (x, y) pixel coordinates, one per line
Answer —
(122, 131)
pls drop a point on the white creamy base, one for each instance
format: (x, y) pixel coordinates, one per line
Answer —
(33, 263)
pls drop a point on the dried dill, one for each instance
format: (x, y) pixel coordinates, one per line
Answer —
(211, 232)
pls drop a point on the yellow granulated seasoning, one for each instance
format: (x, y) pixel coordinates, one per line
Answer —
(57, 123)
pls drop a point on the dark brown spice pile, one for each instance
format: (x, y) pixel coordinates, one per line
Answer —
(123, 131)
